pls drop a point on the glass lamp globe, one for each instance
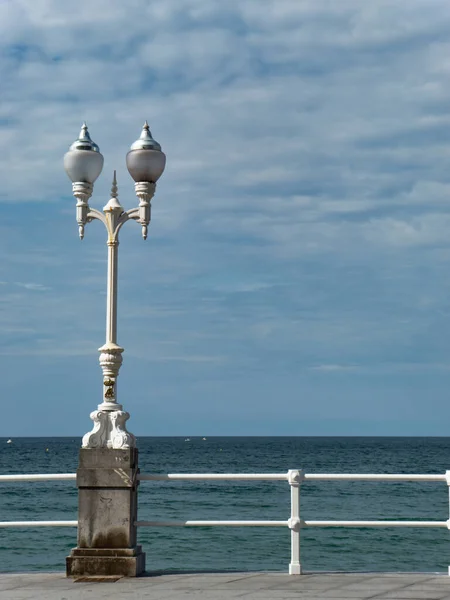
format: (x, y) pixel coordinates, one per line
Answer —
(83, 162)
(146, 160)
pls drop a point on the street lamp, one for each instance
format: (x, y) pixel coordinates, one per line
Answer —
(83, 164)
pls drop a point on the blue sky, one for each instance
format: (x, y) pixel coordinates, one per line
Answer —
(296, 278)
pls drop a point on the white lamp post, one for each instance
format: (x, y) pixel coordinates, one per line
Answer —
(83, 164)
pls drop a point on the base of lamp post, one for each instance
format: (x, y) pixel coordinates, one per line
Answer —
(109, 429)
(103, 562)
(107, 513)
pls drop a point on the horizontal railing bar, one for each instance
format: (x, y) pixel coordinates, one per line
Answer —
(214, 476)
(211, 523)
(38, 523)
(286, 523)
(374, 523)
(40, 477)
(284, 477)
(374, 477)
(240, 477)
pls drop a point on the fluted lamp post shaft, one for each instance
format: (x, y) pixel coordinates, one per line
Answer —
(83, 164)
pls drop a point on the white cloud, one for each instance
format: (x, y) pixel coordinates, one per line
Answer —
(302, 219)
(334, 368)
(35, 287)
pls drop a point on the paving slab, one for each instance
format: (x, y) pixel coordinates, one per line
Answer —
(228, 586)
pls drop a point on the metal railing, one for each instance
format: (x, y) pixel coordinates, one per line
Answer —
(294, 477)
(38, 477)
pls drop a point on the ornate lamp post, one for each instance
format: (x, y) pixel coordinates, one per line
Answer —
(108, 464)
(83, 164)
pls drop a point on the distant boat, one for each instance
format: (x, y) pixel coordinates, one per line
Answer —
(203, 438)
(187, 440)
(9, 442)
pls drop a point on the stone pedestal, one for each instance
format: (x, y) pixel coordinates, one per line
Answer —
(107, 512)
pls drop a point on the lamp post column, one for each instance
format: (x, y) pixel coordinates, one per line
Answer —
(110, 353)
(111, 301)
(111, 347)
(109, 419)
(108, 461)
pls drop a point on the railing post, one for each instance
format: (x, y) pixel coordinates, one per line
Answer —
(447, 477)
(294, 478)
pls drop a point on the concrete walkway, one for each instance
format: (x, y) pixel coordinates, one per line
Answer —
(225, 586)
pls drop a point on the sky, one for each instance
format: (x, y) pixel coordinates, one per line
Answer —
(296, 276)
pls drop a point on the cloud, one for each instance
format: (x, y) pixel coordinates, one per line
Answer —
(334, 368)
(301, 228)
(35, 287)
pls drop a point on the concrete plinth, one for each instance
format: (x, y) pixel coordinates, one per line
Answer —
(107, 512)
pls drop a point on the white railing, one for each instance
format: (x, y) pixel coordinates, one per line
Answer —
(294, 477)
(39, 477)
(38, 523)
(295, 523)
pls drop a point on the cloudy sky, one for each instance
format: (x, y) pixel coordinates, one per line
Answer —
(296, 278)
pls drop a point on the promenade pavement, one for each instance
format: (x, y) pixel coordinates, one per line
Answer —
(227, 586)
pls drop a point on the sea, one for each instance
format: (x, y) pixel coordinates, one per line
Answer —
(243, 548)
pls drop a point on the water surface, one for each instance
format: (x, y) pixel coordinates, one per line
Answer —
(243, 548)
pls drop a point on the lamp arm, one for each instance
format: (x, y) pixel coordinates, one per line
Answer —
(127, 215)
(142, 213)
(93, 213)
(85, 214)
